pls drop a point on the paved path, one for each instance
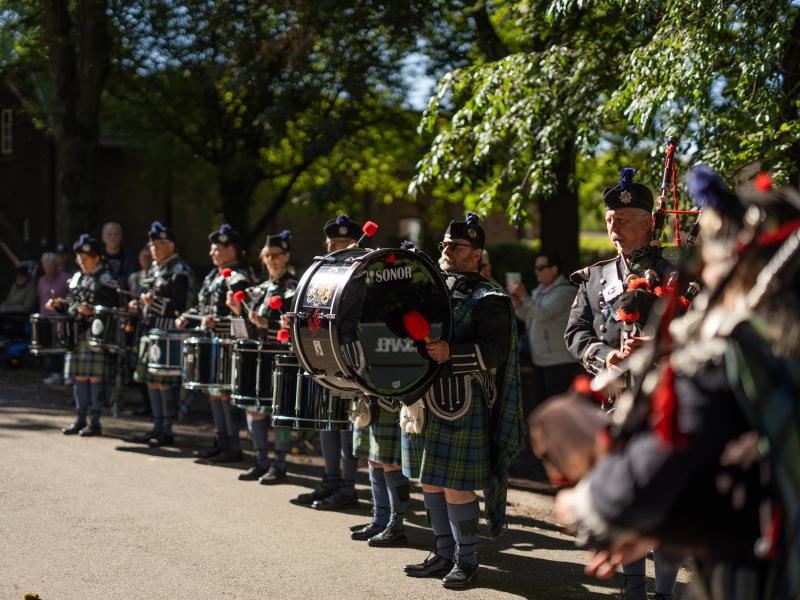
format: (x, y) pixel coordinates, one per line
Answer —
(103, 518)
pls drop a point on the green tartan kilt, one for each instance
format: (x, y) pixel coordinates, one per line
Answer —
(451, 454)
(380, 441)
(142, 375)
(85, 362)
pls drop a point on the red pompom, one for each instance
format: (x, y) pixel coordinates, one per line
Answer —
(391, 259)
(622, 315)
(239, 296)
(640, 283)
(583, 385)
(416, 325)
(226, 273)
(684, 302)
(370, 228)
(763, 182)
(275, 302)
(283, 335)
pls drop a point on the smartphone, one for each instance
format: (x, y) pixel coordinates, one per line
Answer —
(512, 278)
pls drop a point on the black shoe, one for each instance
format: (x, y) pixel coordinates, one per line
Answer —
(309, 498)
(252, 474)
(91, 430)
(161, 439)
(227, 455)
(391, 536)
(367, 531)
(145, 437)
(460, 576)
(435, 566)
(336, 501)
(208, 452)
(73, 429)
(273, 476)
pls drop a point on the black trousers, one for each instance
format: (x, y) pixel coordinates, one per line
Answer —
(553, 380)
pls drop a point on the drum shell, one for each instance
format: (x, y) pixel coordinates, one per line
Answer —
(53, 334)
(251, 374)
(113, 330)
(165, 352)
(206, 363)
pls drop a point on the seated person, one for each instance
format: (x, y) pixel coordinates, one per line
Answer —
(20, 302)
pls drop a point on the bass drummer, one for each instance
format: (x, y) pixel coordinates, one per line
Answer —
(170, 281)
(473, 413)
(89, 369)
(337, 490)
(264, 304)
(230, 273)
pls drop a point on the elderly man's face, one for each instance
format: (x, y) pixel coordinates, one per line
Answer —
(112, 236)
(49, 267)
(161, 250)
(458, 256)
(632, 228)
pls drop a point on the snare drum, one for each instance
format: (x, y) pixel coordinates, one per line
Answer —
(301, 403)
(113, 330)
(53, 334)
(251, 374)
(207, 363)
(164, 355)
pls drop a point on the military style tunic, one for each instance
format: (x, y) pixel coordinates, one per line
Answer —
(96, 288)
(592, 332)
(211, 300)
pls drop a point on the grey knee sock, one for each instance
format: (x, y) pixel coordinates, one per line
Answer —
(220, 428)
(349, 463)
(666, 573)
(464, 520)
(258, 431)
(380, 496)
(169, 405)
(232, 423)
(399, 491)
(635, 579)
(156, 408)
(331, 447)
(97, 392)
(81, 391)
(436, 506)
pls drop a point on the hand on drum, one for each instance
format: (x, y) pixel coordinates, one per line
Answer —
(438, 351)
(285, 322)
(85, 309)
(133, 307)
(181, 322)
(257, 319)
(53, 304)
(147, 298)
(233, 304)
(208, 322)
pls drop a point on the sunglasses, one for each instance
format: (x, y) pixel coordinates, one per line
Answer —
(453, 246)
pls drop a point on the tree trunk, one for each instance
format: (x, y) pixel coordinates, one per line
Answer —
(790, 67)
(236, 191)
(559, 213)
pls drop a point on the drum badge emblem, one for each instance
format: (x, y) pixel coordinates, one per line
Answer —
(314, 322)
(155, 353)
(625, 197)
(97, 327)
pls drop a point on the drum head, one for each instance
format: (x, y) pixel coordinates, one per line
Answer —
(368, 302)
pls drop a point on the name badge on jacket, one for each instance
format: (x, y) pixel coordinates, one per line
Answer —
(612, 291)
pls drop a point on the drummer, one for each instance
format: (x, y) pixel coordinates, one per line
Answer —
(264, 305)
(473, 422)
(89, 370)
(229, 273)
(169, 281)
(337, 490)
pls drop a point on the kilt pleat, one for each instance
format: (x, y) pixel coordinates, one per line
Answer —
(85, 362)
(380, 441)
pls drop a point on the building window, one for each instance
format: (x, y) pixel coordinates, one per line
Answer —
(5, 131)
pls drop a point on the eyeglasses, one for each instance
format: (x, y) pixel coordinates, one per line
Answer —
(538, 268)
(453, 246)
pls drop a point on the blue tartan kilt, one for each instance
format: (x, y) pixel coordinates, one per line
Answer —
(451, 454)
(85, 362)
(380, 441)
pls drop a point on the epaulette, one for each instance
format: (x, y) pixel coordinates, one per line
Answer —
(582, 275)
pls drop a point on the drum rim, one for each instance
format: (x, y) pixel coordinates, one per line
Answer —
(356, 383)
(55, 317)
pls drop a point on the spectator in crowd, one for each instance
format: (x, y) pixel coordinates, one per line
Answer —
(120, 262)
(53, 284)
(18, 304)
(545, 313)
(64, 259)
(135, 284)
(485, 268)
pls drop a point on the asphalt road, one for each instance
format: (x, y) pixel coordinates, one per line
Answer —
(104, 518)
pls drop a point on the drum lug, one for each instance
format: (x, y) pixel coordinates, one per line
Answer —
(343, 377)
(297, 315)
(328, 317)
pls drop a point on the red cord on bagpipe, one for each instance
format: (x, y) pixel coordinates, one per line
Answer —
(671, 176)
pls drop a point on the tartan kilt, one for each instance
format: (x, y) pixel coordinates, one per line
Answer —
(142, 375)
(85, 362)
(380, 441)
(451, 454)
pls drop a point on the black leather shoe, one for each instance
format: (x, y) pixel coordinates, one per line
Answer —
(435, 566)
(162, 439)
(391, 536)
(252, 474)
(309, 498)
(460, 576)
(367, 531)
(336, 501)
(208, 452)
(73, 429)
(145, 437)
(91, 430)
(227, 455)
(273, 476)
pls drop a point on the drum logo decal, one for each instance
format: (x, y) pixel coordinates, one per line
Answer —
(155, 352)
(97, 327)
(314, 322)
(387, 344)
(318, 348)
(384, 275)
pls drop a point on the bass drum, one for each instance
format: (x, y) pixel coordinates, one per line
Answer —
(301, 403)
(251, 374)
(53, 334)
(349, 321)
